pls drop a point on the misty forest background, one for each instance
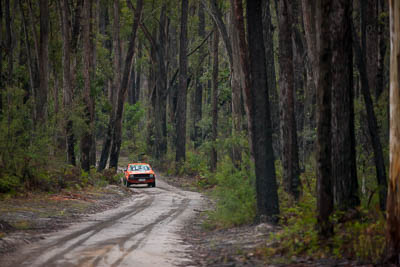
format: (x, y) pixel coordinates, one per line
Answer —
(278, 109)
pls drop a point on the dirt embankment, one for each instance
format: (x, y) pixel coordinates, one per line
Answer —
(25, 219)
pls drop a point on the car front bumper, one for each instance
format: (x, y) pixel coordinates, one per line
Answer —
(141, 180)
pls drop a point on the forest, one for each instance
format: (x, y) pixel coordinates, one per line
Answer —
(284, 111)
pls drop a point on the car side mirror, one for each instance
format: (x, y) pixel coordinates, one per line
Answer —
(125, 170)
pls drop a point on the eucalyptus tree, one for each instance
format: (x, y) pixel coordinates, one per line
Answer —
(393, 203)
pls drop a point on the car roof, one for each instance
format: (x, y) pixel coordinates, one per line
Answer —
(138, 163)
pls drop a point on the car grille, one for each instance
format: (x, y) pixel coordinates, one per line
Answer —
(135, 176)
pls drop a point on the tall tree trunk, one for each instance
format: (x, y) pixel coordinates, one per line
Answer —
(1, 57)
(117, 131)
(372, 122)
(86, 140)
(67, 86)
(32, 62)
(371, 40)
(268, 32)
(41, 100)
(311, 64)
(138, 73)
(231, 43)
(9, 43)
(380, 75)
(115, 85)
(214, 100)
(237, 83)
(182, 88)
(290, 158)
(216, 16)
(393, 201)
(323, 155)
(344, 171)
(257, 102)
(244, 62)
(132, 85)
(160, 103)
(198, 94)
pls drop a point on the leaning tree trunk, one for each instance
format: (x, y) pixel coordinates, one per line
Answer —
(290, 156)
(393, 201)
(344, 171)
(231, 43)
(182, 88)
(372, 122)
(214, 100)
(117, 131)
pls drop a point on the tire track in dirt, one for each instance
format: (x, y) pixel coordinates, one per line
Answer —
(141, 233)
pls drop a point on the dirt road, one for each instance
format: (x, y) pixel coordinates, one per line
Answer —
(141, 232)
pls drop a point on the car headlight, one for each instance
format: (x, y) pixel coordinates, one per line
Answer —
(151, 176)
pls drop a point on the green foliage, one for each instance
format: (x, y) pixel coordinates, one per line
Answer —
(234, 193)
(358, 233)
(133, 132)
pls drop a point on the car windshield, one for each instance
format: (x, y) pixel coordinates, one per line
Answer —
(139, 168)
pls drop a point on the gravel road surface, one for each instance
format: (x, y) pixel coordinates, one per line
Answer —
(143, 231)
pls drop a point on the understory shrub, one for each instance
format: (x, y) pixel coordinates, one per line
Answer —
(358, 233)
(234, 194)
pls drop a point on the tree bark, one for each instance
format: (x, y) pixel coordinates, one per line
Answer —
(237, 83)
(115, 85)
(86, 140)
(324, 166)
(393, 201)
(198, 94)
(9, 43)
(160, 103)
(216, 15)
(214, 100)
(244, 62)
(1, 58)
(344, 171)
(138, 73)
(231, 43)
(290, 158)
(257, 102)
(311, 64)
(32, 62)
(380, 74)
(117, 131)
(370, 20)
(67, 86)
(372, 122)
(182, 88)
(268, 32)
(41, 100)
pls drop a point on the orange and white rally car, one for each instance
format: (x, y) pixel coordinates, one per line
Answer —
(139, 173)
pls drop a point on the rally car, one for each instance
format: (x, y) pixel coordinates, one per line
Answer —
(139, 173)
